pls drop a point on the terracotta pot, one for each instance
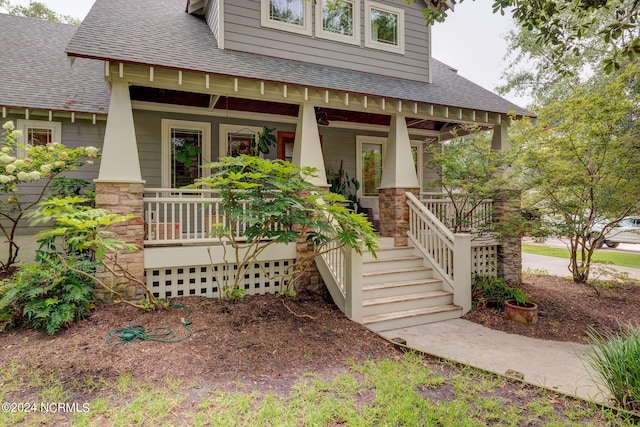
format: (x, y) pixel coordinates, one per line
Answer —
(523, 314)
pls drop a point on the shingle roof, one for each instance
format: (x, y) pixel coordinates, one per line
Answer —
(159, 33)
(34, 72)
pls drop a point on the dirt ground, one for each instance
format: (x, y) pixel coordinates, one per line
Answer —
(266, 343)
(566, 310)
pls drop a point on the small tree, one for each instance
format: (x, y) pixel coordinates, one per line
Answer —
(471, 174)
(82, 228)
(273, 203)
(29, 164)
(582, 162)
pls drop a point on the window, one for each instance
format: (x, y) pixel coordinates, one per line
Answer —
(384, 27)
(369, 164)
(369, 160)
(38, 132)
(186, 146)
(236, 139)
(338, 20)
(287, 15)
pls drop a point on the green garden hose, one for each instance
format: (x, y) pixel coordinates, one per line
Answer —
(131, 333)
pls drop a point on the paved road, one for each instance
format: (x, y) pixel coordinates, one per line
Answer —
(559, 266)
(623, 247)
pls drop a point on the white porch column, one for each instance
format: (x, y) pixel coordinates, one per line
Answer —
(307, 150)
(397, 168)
(399, 177)
(500, 140)
(120, 150)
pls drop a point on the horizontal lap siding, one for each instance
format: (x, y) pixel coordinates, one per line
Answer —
(244, 33)
(212, 18)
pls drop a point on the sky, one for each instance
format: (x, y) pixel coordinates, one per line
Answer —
(471, 40)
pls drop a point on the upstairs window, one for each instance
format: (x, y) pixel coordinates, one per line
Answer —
(384, 27)
(287, 15)
(338, 20)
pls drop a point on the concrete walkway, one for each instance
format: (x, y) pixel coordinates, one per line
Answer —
(554, 365)
(551, 364)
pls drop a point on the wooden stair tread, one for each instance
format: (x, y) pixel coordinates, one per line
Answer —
(397, 270)
(408, 297)
(386, 285)
(409, 313)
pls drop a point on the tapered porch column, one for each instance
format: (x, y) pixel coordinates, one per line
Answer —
(119, 188)
(398, 177)
(307, 150)
(509, 262)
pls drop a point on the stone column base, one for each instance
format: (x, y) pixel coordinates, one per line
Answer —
(124, 198)
(394, 213)
(509, 263)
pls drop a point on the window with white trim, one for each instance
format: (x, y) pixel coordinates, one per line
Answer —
(338, 20)
(369, 156)
(369, 160)
(237, 139)
(383, 27)
(39, 132)
(186, 146)
(287, 15)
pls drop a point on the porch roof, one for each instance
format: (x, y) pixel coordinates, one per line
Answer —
(160, 33)
(34, 73)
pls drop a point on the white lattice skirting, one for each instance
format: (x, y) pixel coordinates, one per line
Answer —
(205, 280)
(484, 260)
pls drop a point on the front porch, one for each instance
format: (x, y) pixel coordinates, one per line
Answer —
(379, 141)
(406, 285)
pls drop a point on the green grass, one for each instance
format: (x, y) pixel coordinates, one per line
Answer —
(410, 391)
(602, 256)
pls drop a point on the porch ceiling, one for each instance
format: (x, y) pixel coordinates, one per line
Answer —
(324, 115)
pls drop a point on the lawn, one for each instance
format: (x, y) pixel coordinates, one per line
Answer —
(411, 390)
(604, 256)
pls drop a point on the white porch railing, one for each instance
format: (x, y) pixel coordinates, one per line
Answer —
(341, 271)
(175, 216)
(443, 208)
(443, 249)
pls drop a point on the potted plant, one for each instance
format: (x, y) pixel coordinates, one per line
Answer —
(489, 291)
(340, 183)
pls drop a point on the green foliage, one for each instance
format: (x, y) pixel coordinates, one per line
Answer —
(273, 202)
(341, 183)
(38, 10)
(47, 295)
(615, 360)
(63, 186)
(79, 226)
(41, 164)
(488, 291)
(563, 29)
(578, 161)
(471, 173)
(186, 151)
(266, 139)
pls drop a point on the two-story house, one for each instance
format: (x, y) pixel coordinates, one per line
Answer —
(347, 82)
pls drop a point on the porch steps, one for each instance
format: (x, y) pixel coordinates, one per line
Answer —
(399, 291)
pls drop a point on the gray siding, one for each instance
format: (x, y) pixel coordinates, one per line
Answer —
(80, 133)
(212, 17)
(244, 33)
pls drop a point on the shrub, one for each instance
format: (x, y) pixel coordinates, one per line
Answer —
(47, 295)
(489, 291)
(615, 359)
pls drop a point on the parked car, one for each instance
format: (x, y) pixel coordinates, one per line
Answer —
(626, 231)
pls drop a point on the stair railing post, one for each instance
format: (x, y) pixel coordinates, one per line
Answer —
(353, 285)
(462, 271)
